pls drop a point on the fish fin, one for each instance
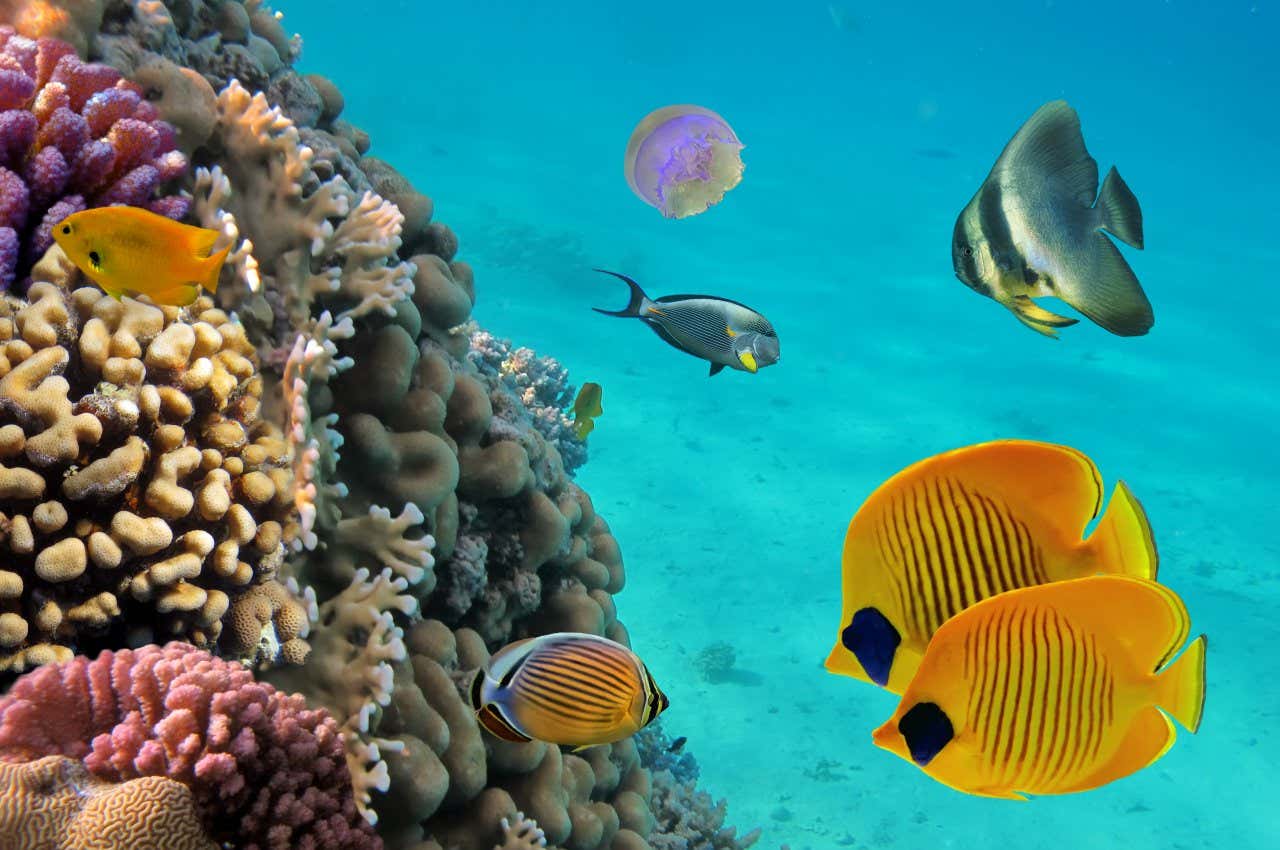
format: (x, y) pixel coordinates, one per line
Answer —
(635, 305)
(1118, 210)
(174, 296)
(201, 241)
(492, 719)
(1149, 736)
(1049, 148)
(1123, 543)
(213, 268)
(1037, 318)
(477, 686)
(654, 311)
(1182, 685)
(582, 747)
(1104, 288)
(716, 369)
(1000, 794)
(582, 428)
(747, 359)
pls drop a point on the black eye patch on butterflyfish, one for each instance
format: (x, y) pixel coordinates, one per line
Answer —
(873, 641)
(926, 729)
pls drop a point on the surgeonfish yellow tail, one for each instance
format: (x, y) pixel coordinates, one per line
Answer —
(1123, 543)
(1182, 685)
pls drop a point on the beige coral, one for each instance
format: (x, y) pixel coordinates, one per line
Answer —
(55, 804)
(135, 469)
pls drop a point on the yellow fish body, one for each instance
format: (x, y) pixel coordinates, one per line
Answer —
(586, 407)
(965, 525)
(566, 688)
(132, 251)
(1051, 689)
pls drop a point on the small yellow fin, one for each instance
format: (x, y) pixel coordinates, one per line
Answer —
(749, 361)
(1182, 685)
(730, 331)
(213, 268)
(1122, 543)
(1149, 737)
(174, 296)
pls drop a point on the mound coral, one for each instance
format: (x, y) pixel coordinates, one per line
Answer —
(264, 771)
(142, 492)
(72, 135)
(430, 501)
(55, 804)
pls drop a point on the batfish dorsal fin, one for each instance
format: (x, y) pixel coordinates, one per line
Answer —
(1050, 148)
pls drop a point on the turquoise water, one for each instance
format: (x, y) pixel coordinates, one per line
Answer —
(730, 496)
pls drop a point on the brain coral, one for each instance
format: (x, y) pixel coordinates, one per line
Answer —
(55, 804)
(266, 773)
(141, 490)
(72, 135)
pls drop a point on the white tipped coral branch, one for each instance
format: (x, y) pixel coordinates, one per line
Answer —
(521, 833)
(383, 537)
(212, 188)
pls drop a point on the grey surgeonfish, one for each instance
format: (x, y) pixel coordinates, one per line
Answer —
(721, 331)
(1035, 228)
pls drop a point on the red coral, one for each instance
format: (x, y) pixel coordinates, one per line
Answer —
(265, 771)
(74, 129)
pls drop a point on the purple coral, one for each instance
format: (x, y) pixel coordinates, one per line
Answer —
(266, 772)
(73, 135)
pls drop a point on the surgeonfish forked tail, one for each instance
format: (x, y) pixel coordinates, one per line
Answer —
(725, 333)
(965, 525)
(1052, 689)
(1038, 225)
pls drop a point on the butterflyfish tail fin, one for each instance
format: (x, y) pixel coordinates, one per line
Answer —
(1119, 213)
(1123, 543)
(636, 302)
(1182, 685)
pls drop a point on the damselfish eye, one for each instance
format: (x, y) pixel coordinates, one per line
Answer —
(66, 230)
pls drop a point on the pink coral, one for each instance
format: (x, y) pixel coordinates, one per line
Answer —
(72, 135)
(265, 771)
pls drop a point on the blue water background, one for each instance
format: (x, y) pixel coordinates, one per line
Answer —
(730, 496)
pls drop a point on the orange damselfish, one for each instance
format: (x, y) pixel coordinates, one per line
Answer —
(965, 525)
(132, 251)
(1051, 689)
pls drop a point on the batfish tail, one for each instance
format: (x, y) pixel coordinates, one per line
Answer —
(1118, 210)
(635, 305)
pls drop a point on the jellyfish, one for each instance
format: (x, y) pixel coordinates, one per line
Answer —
(682, 159)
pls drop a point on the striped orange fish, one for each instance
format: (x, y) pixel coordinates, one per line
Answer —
(965, 525)
(1051, 689)
(566, 688)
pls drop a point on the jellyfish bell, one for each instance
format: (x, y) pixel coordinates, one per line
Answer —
(683, 159)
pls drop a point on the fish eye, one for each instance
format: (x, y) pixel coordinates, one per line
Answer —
(968, 250)
(66, 230)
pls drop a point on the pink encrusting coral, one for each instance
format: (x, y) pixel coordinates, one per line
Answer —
(73, 135)
(266, 772)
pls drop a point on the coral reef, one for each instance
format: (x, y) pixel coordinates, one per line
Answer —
(54, 803)
(143, 494)
(420, 472)
(264, 771)
(72, 135)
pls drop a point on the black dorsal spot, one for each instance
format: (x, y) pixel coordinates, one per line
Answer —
(873, 641)
(926, 729)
